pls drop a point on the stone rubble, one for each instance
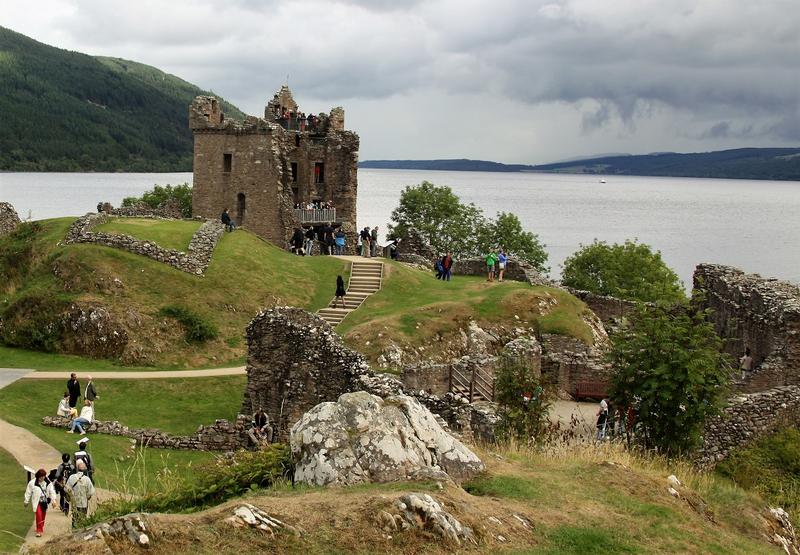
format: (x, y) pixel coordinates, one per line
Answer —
(423, 512)
(9, 220)
(133, 527)
(780, 530)
(247, 515)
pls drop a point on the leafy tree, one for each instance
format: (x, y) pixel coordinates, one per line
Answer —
(440, 217)
(159, 195)
(523, 403)
(506, 231)
(630, 271)
(669, 367)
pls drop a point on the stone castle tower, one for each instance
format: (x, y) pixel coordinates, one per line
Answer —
(260, 169)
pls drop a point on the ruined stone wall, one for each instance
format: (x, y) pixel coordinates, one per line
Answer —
(567, 361)
(194, 261)
(220, 436)
(171, 209)
(413, 246)
(606, 308)
(747, 418)
(750, 311)
(516, 270)
(9, 220)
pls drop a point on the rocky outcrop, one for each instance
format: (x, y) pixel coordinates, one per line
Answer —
(220, 436)
(9, 220)
(779, 530)
(250, 516)
(762, 314)
(364, 438)
(748, 418)
(93, 331)
(133, 529)
(194, 261)
(608, 309)
(422, 512)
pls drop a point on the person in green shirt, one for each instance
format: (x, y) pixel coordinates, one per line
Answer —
(491, 259)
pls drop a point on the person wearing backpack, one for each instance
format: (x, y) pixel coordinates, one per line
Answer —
(63, 472)
(83, 455)
(80, 489)
(40, 494)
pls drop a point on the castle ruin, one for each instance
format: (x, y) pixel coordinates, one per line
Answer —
(266, 171)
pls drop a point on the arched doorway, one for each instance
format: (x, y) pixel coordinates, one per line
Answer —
(241, 207)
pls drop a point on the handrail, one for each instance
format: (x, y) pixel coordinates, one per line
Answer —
(477, 383)
(315, 215)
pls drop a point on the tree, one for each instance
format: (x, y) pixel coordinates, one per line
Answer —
(506, 231)
(438, 214)
(523, 403)
(629, 271)
(669, 367)
(159, 195)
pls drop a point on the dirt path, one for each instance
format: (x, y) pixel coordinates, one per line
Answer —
(155, 374)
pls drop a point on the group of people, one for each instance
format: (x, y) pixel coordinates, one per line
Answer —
(332, 241)
(496, 264)
(369, 242)
(298, 120)
(315, 205)
(444, 267)
(67, 407)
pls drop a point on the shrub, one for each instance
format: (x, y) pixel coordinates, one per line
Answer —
(195, 328)
(34, 322)
(16, 251)
(159, 195)
(523, 403)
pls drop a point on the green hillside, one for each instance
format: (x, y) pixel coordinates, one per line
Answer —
(67, 111)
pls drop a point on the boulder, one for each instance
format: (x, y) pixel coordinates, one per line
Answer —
(362, 438)
(423, 512)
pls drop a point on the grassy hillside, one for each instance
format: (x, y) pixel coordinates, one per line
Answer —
(15, 520)
(39, 279)
(67, 111)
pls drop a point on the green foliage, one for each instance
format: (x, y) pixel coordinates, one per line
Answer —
(669, 367)
(451, 226)
(511, 487)
(33, 321)
(197, 330)
(771, 466)
(16, 252)
(66, 111)
(211, 483)
(523, 402)
(629, 271)
(159, 195)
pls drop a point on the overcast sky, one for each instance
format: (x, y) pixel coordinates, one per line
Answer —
(508, 80)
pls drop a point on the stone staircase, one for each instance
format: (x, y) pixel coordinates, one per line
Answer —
(365, 279)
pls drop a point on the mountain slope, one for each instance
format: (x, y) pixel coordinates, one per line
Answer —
(67, 111)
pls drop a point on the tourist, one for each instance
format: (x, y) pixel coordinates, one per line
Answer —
(63, 472)
(746, 363)
(90, 393)
(491, 258)
(439, 268)
(447, 266)
(83, 455)
(261, 425)
(393, 250)
(365, 248)
(340, 239)
(74, 388)
(81, 489)
(84, 420)
(229, 224)
(340, 292)
(63, 406)
(309, 240)
(40, 494)
(297, 241)
(602, 419)
(99, 207)
(373, 242)
(501, 264)
(327, 238)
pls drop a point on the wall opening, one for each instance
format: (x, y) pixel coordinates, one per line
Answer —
(294, 172)
(319, 172)
(227, 162)
(241, 208)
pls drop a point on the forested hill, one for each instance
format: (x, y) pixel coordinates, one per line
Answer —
(743, 163)
(66, 111)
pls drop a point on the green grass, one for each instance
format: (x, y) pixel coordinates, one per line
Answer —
(176, 406)
(413, 307)
(11, 357)
(168, 234)
(246, 274)
(15, 519)
(511, 487)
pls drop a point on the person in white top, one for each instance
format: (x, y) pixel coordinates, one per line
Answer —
(40, 493)
(63, 406)
(746, 363)
(86, 418)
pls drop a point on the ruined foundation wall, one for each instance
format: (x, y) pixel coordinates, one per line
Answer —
(9, 220)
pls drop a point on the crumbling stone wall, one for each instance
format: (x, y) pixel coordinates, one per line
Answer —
(567, 361)
(170, 209)
(9, 220)
(194, 261)
(259, 169)
(517, 270)
(747, 418)
(414, 248)
(750, 311)
(607, 308)
(220, 436)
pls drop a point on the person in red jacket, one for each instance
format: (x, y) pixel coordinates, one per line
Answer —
(447, 265)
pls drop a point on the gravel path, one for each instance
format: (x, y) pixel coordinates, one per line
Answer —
(155, 374)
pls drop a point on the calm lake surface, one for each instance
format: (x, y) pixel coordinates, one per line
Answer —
(749, 224)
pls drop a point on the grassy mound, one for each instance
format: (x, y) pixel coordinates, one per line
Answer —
(246, 274)
(168, 234)
(414, 308)
(15, 520)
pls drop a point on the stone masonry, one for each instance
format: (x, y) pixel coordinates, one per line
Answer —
(194, 261)
(748, 418)
(220, 436)
(9, 220)
(750, 311)
(260, 168)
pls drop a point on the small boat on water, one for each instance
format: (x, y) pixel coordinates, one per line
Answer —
(602, 181)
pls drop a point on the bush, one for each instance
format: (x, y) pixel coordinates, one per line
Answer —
(506, 231)
(34, 322)
(16, 252)
(523, 403)
(196, 329)
(628, 271)
(159, 195)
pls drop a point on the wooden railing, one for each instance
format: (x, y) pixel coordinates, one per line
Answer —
(473, 385)
(315, 215)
